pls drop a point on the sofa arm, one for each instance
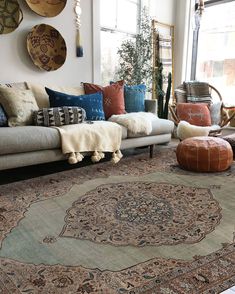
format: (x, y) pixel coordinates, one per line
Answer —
(151, 105)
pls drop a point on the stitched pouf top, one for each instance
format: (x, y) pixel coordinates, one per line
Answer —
(204, 154)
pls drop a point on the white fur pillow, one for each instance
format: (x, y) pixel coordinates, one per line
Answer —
(186, 130)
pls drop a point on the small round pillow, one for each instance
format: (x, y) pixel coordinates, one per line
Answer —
(204, 154)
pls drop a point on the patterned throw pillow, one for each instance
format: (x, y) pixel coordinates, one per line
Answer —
(19, 106)
(197, 114)
(59, 116)
(3, 118)
(92, 104)
(198, 92)
(134, 97)
(113, 97)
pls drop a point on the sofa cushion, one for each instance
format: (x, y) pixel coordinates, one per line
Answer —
(160, 126)
(92, 104)
(42, 97)
(113, 96)
(28, 138)
(31, 138)
(19, 105)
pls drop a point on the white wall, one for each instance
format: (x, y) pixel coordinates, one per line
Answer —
(182, 36)
(16, 65)
(163, 11)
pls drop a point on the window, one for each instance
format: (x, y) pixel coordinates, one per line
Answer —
(118, 20)
(216, 47)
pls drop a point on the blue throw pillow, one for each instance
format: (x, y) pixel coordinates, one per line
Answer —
(92, 103)
(3, 118)
(134, 98)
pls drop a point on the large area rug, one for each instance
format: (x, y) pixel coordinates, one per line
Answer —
(141, 226)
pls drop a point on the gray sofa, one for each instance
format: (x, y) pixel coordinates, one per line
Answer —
(30, 145)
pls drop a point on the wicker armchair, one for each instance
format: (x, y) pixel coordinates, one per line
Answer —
(215, 94)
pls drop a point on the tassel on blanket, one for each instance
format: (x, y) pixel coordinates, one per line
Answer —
(72, 158)
(116, 156)
(97, 156)
(79, 156)
(75, 157)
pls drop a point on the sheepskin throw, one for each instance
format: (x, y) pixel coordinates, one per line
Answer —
(186, 130)
(98, 137)
(136, 122)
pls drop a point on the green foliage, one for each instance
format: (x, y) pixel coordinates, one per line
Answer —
(136, 55)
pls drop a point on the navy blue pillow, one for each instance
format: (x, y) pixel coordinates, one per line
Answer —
(92, 103)
(3, 118)
(134, 98)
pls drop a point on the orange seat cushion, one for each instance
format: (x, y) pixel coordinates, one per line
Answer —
(204, 154)
(197, 114)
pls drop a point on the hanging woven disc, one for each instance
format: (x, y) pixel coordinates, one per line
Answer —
(46, 47)
(49, 8)
(10, 16)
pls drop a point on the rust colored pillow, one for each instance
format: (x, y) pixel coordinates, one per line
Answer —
(113, 97)
(197, 114)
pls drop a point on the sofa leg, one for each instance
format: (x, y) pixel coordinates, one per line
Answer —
(151, 148)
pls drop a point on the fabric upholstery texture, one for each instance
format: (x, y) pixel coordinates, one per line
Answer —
(134, 97)
(92, 104)
(19, 105)
(113, 97)
(197, 114)
(204, 154)
(59, 116)
(27, 139)
(3, 118)
(41, 94)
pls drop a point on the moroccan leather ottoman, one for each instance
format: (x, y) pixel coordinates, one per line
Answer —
(204, 154)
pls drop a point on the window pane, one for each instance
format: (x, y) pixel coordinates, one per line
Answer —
(108, 12)
(216, 49)
(110, 42)
(127, 16)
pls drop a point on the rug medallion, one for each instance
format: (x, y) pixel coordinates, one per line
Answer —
(143, 213)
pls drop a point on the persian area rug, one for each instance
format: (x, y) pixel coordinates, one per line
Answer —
(141, 226)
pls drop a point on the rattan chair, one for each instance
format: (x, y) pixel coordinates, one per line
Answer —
(225, 119)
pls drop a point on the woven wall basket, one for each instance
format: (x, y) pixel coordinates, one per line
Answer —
(10, 16)
(46, 47)
(49, 8)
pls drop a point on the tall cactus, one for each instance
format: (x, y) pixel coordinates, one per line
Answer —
(160, 92)
(168, 96)
(162, 97)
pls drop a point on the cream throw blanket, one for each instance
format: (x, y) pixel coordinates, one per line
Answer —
(136, 122)
(97, 137)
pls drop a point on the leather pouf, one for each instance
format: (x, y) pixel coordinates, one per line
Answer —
(204, 154)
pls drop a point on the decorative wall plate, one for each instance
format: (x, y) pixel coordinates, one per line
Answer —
(47, 8)
(10, 16)
(46, 47)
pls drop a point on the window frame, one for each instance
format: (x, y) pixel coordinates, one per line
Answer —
(115, 29)
(196, 33)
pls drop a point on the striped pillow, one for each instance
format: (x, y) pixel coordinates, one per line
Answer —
(198, 92)
(59, 116)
